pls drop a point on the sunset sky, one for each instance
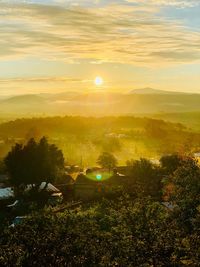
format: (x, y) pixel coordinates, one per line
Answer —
(62, 45)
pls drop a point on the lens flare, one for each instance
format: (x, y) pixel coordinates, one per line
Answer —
(99, 177)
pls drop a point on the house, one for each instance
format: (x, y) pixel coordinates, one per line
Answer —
(85, 188)
(6, 193)
(95, 183)
(48, 187)
(66, 186)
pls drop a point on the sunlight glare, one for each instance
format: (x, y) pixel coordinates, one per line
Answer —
(98, 81)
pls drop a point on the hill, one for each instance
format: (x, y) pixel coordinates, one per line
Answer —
(148, 90)
(101, 104)
(82, 139)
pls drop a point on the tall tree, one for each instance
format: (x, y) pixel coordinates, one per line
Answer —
(34, 163)
(107, 161)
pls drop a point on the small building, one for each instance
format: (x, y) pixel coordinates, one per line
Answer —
(6, 193)
(43, 186)
(85, 188)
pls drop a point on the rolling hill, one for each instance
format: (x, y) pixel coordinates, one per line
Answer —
(149, 90)
(98, 104)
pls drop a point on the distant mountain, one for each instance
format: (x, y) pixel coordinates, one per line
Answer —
(60, 96)
(23, 105)
(148, 90)
(140, 101)
(98, 97)
(23, 99)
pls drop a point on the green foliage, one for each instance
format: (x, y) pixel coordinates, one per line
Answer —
(111, 233)
(146, 177)
(34, 163)
(119, 230)
(126, 136)
(170, 163)
(107, 161)
(186, 188)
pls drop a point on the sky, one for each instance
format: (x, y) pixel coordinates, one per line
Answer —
(49, 46)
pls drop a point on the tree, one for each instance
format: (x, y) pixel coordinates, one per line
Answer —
(107, 161)
(186, 186)
(34, 163)
(146, 177)
(185, 195)
(170, 163)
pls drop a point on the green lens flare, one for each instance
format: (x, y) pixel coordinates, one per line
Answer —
(96, 176)
(99, 177)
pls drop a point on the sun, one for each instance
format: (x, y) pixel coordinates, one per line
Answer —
(98, 81)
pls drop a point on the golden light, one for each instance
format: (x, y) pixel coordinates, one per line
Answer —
(98, 81)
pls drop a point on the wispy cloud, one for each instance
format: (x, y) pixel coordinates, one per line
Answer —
(122, 33)
(41, 80)
(175, 3)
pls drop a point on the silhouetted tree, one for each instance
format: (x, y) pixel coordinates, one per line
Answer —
(107, 160)
(34, 163)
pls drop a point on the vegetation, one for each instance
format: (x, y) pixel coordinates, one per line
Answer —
(146, 177)
(107, 160)
(34, 163)
(147, 216)
(82, 139)
(114, 232)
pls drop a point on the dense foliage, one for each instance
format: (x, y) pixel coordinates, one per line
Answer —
(121, 232)
(146, 177)
(116, 229)
(34, 163)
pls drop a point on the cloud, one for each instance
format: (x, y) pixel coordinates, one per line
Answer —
(174, 3)
(110, 33)
(41, 80)
(38, 84)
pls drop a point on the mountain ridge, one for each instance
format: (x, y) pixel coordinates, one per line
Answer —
(100, 103)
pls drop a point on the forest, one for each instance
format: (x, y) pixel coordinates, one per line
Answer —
(82, 139)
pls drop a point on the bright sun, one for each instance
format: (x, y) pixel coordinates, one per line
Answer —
(98, 81)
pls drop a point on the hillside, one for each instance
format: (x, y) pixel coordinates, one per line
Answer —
(100, 104)
(148, 90)
(82, 139)
(191, 119)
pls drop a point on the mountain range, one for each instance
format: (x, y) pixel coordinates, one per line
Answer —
(138, 101)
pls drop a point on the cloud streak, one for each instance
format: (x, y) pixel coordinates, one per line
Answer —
(120, 33)
(173, 3)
